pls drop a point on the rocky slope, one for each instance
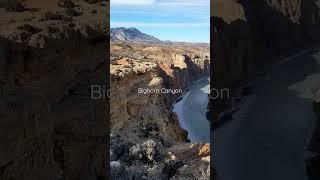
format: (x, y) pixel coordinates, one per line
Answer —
(49, 58)
(149, 135)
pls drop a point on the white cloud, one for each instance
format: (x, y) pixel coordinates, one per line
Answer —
(132, 2)
(159, 25)
(184, 3)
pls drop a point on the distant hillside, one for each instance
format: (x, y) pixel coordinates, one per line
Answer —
(131, 35)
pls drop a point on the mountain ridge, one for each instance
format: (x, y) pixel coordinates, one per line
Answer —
(131, 35)
(134, 35)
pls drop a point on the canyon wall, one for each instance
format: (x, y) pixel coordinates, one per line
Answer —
(179, 66)
(248, 35)
(143, 67)
(131, 110)
(50, 126)
(143, 126)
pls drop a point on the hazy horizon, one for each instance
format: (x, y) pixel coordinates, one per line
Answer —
(167, 20)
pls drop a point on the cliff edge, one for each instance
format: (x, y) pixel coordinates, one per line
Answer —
(147, 141)
(49, 58)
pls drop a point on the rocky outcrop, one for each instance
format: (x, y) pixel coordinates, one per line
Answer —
(137, 74)
(147, 141)
(132, 109)
(50, 126)
(179, 65)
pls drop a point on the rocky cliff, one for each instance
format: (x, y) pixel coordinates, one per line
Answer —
(178, 65)
(143, 127)
(248, 35)
(133, 110)
(50, 126)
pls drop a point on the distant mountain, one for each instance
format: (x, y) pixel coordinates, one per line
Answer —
(131, 35)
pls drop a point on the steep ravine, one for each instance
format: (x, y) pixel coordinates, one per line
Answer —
(144, 126)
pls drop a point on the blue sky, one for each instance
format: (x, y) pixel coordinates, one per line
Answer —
(175, 20)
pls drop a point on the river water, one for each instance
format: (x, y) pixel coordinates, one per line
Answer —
(191, 111)
(267, 137)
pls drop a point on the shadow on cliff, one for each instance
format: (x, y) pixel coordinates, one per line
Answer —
(313, 163)
(279, 114)
(51, 94)
(182, 78)
(244, 48)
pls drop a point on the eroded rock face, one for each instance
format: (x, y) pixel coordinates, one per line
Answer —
(138, 71)
(50, 126)
(143, 126)
(178, 65)
(133, 110)
(247, 35)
